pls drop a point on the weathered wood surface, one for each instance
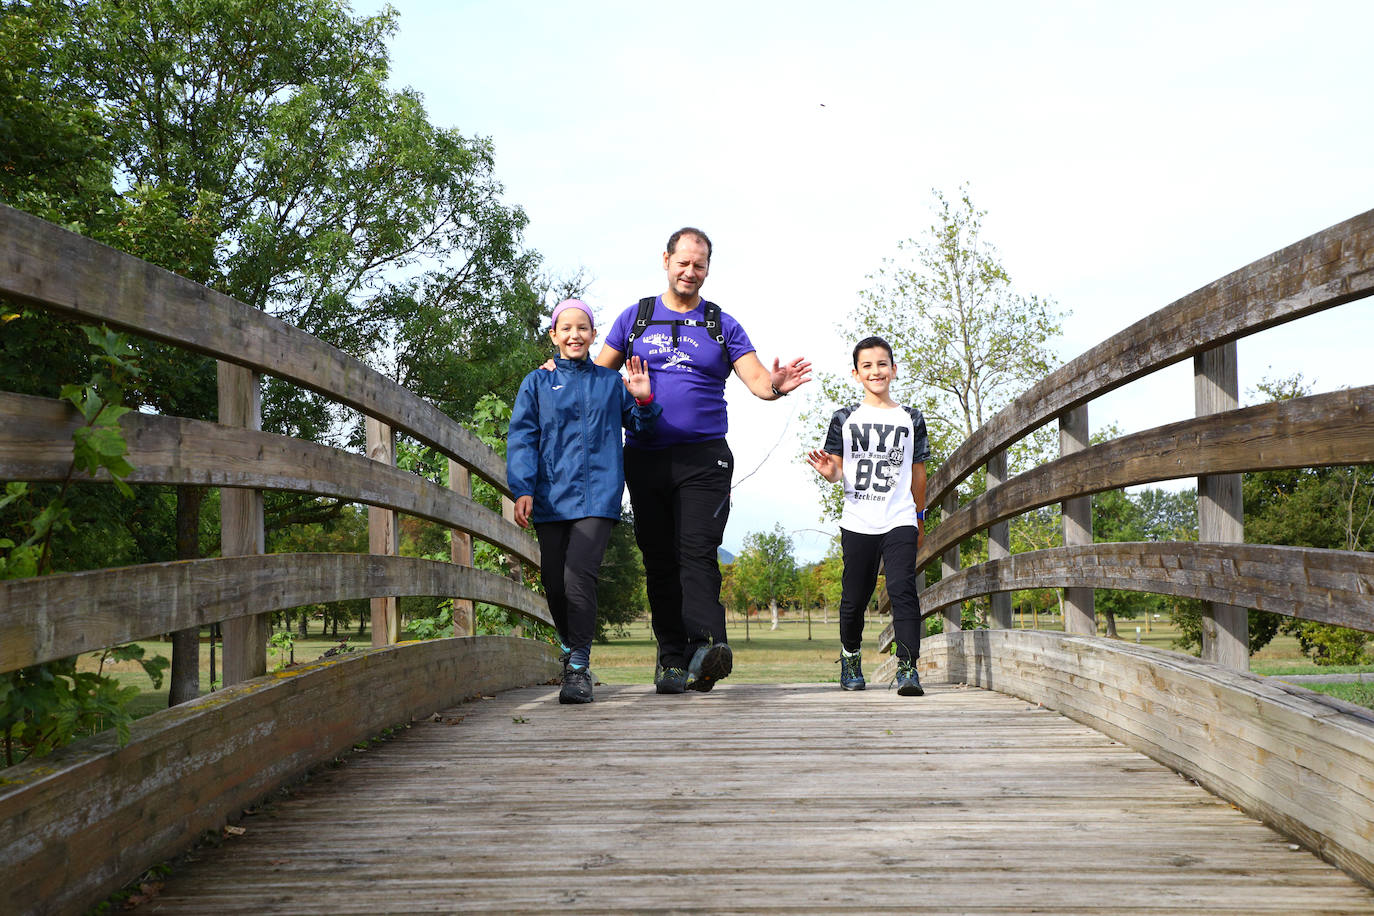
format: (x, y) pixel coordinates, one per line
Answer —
(50, 617)
(383, 535)
(242, 525)
(37, 446)
(1220, 508)
(1076, 521)
(1297, 760)
(43, 264)
(755, 799)
(78, 824)
(1318, 431)
(1329, 586)
(1327, 269)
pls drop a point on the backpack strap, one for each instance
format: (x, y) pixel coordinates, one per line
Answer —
(646, 308)
(715, 327)
(710, 321)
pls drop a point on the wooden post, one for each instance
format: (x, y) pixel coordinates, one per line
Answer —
(1077, 517)
(460, 552)
(517, 571)
(241, 526)
(382, 535)
(999, 545)
(949, 565)
(1220, 509)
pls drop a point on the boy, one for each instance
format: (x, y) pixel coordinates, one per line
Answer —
(879, 448)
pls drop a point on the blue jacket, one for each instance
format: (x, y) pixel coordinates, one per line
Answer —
(565, 443)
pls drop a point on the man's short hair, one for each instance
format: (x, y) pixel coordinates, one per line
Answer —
(689, 230)
(868, 343)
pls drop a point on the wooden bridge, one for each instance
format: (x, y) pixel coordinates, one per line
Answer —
(1049, 772)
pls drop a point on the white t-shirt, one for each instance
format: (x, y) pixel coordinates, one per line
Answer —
(877, 446)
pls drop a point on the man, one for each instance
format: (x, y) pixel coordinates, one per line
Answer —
(679, 480)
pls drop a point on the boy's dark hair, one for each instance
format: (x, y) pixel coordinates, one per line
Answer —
(688, 230)
(868, 343)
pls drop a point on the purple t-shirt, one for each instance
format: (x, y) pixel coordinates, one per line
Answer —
(688, 379)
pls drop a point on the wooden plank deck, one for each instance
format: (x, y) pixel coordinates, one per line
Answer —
(755, 799)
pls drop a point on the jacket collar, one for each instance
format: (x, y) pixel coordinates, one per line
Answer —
(573, 365)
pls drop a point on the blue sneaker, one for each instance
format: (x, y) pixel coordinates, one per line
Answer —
(709, 664)
(851, 672)
(907, 682)
(670, 680)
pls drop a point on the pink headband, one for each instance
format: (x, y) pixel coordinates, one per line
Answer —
(571, 304)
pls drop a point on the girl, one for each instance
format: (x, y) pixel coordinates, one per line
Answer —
(564, 467)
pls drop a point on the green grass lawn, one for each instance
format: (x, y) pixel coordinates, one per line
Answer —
(794, 653)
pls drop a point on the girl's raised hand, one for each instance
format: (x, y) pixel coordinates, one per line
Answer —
(637, 378)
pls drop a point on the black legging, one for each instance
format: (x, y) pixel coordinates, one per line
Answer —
(897, 550)
(571, 554)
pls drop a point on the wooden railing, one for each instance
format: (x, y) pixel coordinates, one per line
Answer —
(1295, 759)
(82, 821)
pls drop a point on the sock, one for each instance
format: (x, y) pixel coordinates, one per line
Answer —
(581, 658)
(847, 654)
(562, 649)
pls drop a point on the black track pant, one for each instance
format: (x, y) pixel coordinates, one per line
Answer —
(681, 501)
(897, 551)
(571, 553)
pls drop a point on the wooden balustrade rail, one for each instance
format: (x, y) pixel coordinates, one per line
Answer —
(47, 266)
(79, 823)
(1328, 269)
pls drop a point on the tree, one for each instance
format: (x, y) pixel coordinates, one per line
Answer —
(733, 593)
(259, 151)
(1039, 529)
(766, 568)
(828, 574)
(620, 594)
(1331, 507)
(1116, 517)
(964, 341)
(808, 591)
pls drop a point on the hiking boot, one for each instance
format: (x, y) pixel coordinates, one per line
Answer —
(709, 664)
(907, 683)
(851, 672)
(670, 680)
(577, 686)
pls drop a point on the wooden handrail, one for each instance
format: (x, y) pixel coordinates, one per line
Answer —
(1322, 430)
(37, 446)
(1327, 269)
(48, 266)
(50, 617)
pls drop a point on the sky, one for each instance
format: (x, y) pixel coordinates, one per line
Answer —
(1126, 154)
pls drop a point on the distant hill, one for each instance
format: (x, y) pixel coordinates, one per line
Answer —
(724, 555)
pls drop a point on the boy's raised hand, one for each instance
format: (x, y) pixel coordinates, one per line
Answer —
(637, 378)
(825, 464)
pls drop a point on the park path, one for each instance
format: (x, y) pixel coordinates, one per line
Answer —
(754, 799)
